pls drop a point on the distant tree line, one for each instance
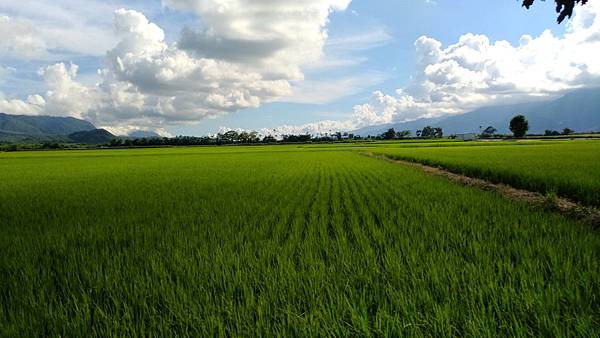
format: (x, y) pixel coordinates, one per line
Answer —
(430, 132)
(229, 138)
(9, 147)
(427, 132)
(392, 134)
(233, 137)
(565, 132)
(489, 132)
(518, 126)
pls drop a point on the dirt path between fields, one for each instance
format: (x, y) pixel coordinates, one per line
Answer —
(559, 204)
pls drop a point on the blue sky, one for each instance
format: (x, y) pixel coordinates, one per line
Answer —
(370, 47)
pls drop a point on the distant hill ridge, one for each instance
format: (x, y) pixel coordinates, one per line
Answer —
(578, 110)
(33, 129)
(42, 125)
(95, 136)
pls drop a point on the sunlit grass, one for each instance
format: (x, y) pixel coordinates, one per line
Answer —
(278, 241)
(570, 169)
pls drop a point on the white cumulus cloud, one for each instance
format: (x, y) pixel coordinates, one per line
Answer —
(246, 53)
(274, 37)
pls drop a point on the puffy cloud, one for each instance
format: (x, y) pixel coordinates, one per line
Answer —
(273, 37)
(33, 105)
(65, 96)
(475, 71)
(19, 39)
(177, 86)
(148, 82)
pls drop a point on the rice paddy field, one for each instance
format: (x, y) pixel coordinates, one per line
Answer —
(570, 169)
(289, 241)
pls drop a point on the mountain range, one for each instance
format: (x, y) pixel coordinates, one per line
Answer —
(578, 110)
(95, 136)
(35, 129)
(42, 125)
(38, 129)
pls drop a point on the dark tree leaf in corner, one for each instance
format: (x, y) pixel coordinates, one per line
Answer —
(564, 8)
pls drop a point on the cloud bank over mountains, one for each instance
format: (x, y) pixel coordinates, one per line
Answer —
(475, 71)
(246, 54)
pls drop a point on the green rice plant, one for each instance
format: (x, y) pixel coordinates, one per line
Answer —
(279, 241)
(569, 168)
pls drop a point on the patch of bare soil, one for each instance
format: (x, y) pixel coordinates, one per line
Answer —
(559, 204)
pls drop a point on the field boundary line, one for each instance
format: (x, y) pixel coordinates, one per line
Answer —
(562, 205)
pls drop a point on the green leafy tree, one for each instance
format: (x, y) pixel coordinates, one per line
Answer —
(390, 134)
(568, 131)
(115, 142)
(519, 125)
(403, 134)
(231, 136)
(489, 131)
(564, 8)
(269, 139)
(429, 131)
